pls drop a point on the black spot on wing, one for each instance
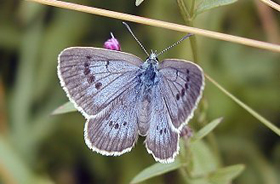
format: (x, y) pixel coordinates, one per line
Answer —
(98, 85)
(177, 96)
(91, 79)
(86, 71)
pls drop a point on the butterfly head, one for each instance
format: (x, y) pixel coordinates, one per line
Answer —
(153, 55)
(149, 74)
(152, 59)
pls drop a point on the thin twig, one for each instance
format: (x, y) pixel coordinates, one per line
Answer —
(272, 4)
(162, 24)
(269, 22)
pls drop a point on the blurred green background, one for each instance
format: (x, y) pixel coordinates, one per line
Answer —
(36, 147)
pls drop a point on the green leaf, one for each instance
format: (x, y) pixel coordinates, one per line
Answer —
(207, 129)
(206, 5)
(65, 108)
(226, 175)
(138, 2)
(203, 160)
(156, 170)
(199, 181)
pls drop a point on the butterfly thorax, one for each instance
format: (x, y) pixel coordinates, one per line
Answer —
(149, 74)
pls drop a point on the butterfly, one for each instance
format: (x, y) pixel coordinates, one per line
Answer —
(123, 97)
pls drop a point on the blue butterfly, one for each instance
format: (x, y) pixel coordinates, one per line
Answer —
(123, 97)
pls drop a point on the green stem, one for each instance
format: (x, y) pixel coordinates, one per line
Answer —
(267, 123)
(193, 39)
(185, 157)
(194, 46)
(184, 174)
(188, 18)
(192, 10)
(211, 138)
(189, 21)
(183, 10)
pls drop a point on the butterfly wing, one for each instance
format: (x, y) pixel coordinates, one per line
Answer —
(114, 131)
(161, 140)
(94, 77)
(183, 83)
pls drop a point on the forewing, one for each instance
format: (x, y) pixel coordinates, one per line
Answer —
(183, 83)
(161, 141)
(115, 130)
(94, 77)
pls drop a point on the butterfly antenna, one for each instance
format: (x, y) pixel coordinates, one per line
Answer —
(182, 39)
(127, 26)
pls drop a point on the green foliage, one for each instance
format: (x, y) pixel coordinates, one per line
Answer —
(205, 5)
(202, 166)
(226, 175)
(65, 108)
(207, 129)
(221, 176)
(156, 170)
(203, 161)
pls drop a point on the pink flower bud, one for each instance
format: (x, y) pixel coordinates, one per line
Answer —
(112, 43)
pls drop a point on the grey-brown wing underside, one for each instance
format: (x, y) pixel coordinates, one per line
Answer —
(94, 77)
(183, 86)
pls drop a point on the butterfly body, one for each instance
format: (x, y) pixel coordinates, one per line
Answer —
(122, 97)
(144, 114)
(149, 72)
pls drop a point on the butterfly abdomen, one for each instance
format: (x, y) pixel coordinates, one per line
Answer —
(144, 114)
